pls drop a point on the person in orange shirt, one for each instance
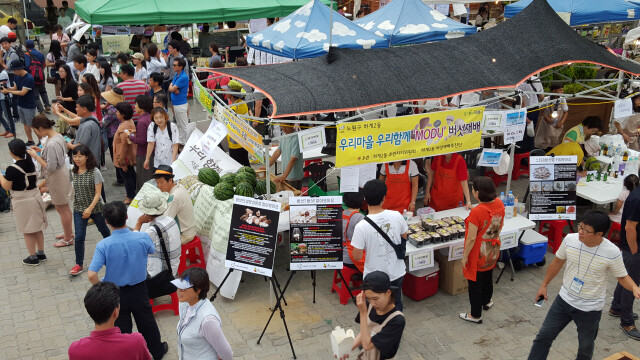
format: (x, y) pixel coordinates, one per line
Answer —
(401, 179)
(447, 184)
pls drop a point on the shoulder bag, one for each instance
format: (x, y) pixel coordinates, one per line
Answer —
(400, 249)
(160, 284)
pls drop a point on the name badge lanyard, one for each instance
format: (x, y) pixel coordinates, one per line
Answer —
(577, 284)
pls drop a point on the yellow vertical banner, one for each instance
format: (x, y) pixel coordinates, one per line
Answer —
(408, 137)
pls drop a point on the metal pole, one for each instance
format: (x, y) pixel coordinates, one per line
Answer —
(331, 26)
(24, 20)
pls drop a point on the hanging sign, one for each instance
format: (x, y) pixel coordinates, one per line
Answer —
(515, 125)
(490, 157)
(408, 137)
(316, 232)
(312, 138)
(493, 122)
(203, 96)
(240, 131)
(214, 135)
(253, 235)
(553, 187)
(623, 108)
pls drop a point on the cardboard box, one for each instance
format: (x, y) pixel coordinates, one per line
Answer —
(622, 355)
(451, 279)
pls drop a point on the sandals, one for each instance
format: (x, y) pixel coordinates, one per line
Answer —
(63, 243)
(466, 317)
(61, 237)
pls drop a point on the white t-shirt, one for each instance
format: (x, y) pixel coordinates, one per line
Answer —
(380, 255)
(141, 74)
(413, 169)
(163, 151)
(465, 99)
(533, 84)
(594, 263)
(622, 197)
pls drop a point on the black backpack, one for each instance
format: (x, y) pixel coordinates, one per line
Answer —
(19, 52)
(5, 201)
(36, 69)
(155, 130)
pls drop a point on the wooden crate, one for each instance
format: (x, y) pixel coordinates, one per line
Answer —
(622, 355)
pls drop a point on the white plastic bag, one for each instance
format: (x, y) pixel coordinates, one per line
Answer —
(503, 167)
(531, 131)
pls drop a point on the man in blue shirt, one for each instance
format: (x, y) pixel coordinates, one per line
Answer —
(124, 253)
(179, 88)
(34, 63)
(23, 90)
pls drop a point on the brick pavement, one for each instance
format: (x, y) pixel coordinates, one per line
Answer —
(45, 311)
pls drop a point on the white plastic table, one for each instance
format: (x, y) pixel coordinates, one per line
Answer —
(600, 192)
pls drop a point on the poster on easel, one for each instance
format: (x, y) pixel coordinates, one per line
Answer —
(316, 232)
(253, 235)
(553, 187)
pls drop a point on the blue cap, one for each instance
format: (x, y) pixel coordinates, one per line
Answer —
(29, 44)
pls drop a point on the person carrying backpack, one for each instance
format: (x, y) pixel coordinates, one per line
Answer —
(162, 138)
(34, 63)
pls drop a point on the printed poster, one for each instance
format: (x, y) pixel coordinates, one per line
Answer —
(408, 137)
(515, 125)
(253, 235)
(316, 232)
(553, 187)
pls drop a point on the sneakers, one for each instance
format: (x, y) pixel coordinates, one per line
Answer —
(77, 270)
(632, 332)
(31, 262)
(42, 257)
(488, 306)
(467, 317)
(30, 143)
(617, 314)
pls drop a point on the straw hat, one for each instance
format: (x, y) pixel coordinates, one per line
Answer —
(112, 97)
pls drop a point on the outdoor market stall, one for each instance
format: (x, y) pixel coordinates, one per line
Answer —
(585, 11)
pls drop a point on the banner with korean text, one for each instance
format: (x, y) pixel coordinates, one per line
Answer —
(408, 137)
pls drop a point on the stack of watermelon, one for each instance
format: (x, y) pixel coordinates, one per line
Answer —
(243, 183)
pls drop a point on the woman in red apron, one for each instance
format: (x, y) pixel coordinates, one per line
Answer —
(402, 186)
(447, 184)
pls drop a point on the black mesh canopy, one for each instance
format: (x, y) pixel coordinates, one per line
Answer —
(503, 56)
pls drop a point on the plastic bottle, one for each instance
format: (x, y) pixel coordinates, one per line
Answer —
(625, 156)
(502, 198)
(605, 152)
(509, 205)
(515, 207)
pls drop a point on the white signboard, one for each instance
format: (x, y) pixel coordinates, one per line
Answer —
(623, 108)
(456, 252)
(312, 138)
(421, 260)
(508, 240)
(349, 179)
(490, 157)
(214, 135)
(492, 122)
(515, 124)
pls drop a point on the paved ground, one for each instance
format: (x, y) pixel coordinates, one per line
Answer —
(45, 312)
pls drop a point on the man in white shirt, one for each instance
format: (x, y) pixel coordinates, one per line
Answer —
(8, 27)
(589, 257)
(153, 206)
(381, 256)
(180, 206)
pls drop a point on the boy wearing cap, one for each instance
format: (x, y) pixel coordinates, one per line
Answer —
(124, 254)
(23, 89)
(153, 206)
(180, 205)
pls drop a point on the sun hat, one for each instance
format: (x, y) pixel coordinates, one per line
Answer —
(377, 281)
(182, 284)
(111, 97)
(152, 204)
(138, 56)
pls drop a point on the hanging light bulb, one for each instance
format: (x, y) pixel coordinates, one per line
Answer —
(497, 2)
(554, 114)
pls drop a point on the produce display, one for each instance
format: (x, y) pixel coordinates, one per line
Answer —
(223, 191)
(230, 178)
(245, 177)
(244, 189)
(261, 187)
(436, 231)
(208, 176)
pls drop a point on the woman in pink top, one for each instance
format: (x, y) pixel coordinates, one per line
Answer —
(61, 37)
(144, 105)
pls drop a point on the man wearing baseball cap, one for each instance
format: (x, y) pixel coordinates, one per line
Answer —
(34, 60)
(180, 205)
(9, 55)
(153, 206)
(23, 89)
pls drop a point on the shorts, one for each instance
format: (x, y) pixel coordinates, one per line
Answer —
(26, 115)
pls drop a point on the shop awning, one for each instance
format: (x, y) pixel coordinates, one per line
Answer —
(412, 22)
(501, 57)
(585, 11)
(152, 12)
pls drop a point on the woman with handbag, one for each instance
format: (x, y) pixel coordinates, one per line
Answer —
(381, 323)
(199, 329)
(29, 210)
(482, 246)
(56, 174)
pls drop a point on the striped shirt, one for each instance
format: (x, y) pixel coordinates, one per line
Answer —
(171, 234)
(131, 89)
(589, 264)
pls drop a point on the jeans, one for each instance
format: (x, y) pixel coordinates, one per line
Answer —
(14, 99)
(397, 292)
(559, 316)
(129, 178)
(134, 300)
(5, 118)
(80, 226)
(41, 90)
(622, 298)
(480, 291)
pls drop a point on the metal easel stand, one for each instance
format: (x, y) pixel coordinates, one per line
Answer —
(282, 315)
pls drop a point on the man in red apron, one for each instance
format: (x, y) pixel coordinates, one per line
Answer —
(447, 184)
(402, 185)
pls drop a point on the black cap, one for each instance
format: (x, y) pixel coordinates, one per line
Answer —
(377, 281)
(163, 170)
(18, 148)
(16, 65)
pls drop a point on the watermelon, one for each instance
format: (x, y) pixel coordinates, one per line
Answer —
(230, 178)
(246, 169)
(208, 176)
(261, 187)
(244, 189)
(245, 177)
(223, 191)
